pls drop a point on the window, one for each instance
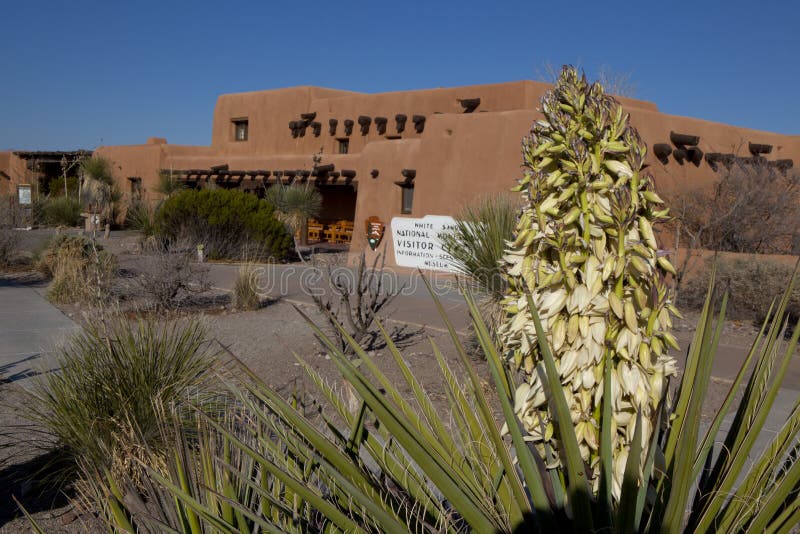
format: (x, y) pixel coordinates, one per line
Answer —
(408, 199)
(344, 146)
(240, 130)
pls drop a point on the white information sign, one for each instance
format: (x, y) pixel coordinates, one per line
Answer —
(24, 192)
(416, 242)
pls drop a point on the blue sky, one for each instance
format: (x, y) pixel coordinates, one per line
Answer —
(85, 73)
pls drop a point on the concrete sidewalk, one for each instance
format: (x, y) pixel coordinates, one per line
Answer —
(30, 330)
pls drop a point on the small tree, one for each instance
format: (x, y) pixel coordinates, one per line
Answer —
(295, 204)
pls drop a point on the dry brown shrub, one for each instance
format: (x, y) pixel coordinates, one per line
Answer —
(81, 271)
(751, 281)
(245, 288)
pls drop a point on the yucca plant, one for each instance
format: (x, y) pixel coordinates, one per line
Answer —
(105, 403)
(477, 242)
(295, 204)
(396, 464)
(585, 251)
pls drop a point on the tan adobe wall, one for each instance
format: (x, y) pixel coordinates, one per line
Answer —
(6, 186)
(457, 158)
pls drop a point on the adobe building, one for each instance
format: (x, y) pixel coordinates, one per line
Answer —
(36, 168)
(413, 153)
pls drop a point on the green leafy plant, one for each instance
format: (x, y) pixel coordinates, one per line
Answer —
(115, 383)
(228, 223)
(585, 250)
(61, 211)
(477, 245)
(97, 168)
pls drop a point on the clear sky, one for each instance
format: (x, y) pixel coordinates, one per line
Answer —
(80, 74)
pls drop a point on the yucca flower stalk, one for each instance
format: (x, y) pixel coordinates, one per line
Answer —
(585, 253)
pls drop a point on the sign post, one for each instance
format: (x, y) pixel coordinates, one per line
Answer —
(417, 244)
(24, 200)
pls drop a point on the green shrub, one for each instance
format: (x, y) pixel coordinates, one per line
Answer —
(115, 383)
(142, 218)
(61, 211)
(55, 186)
(227, 222)
(752, 282)
(81, 271)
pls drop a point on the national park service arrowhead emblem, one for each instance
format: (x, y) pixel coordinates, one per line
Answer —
(375, 230)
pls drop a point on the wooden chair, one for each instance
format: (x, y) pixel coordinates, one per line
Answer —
(314, 230)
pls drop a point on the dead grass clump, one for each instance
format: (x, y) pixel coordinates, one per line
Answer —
(245, 288)
(752, 283)
(80, 270)
(9, 238)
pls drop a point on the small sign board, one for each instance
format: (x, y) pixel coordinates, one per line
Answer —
(24, 195)
(417, 244)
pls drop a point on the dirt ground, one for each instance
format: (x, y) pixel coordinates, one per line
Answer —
(268, 341)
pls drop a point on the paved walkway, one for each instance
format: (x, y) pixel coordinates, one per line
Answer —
(30, 329)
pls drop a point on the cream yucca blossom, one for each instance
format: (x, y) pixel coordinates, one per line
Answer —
(586, 255)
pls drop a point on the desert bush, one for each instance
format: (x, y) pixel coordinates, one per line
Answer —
(9, 238)
(115, 383)
(80, 270)
(245, 288)
(141, 217)
(477, 243)
(750, 208)
(168, 277)
(9, 246)
(752, 283)
(61, 211)
(354, 299)
(168, 185)
(55, 186)
(225, 221)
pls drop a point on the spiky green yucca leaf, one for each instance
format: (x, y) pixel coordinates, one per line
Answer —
(478, 240)
(585, 250)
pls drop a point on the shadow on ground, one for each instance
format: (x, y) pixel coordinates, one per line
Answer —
(35, 483)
